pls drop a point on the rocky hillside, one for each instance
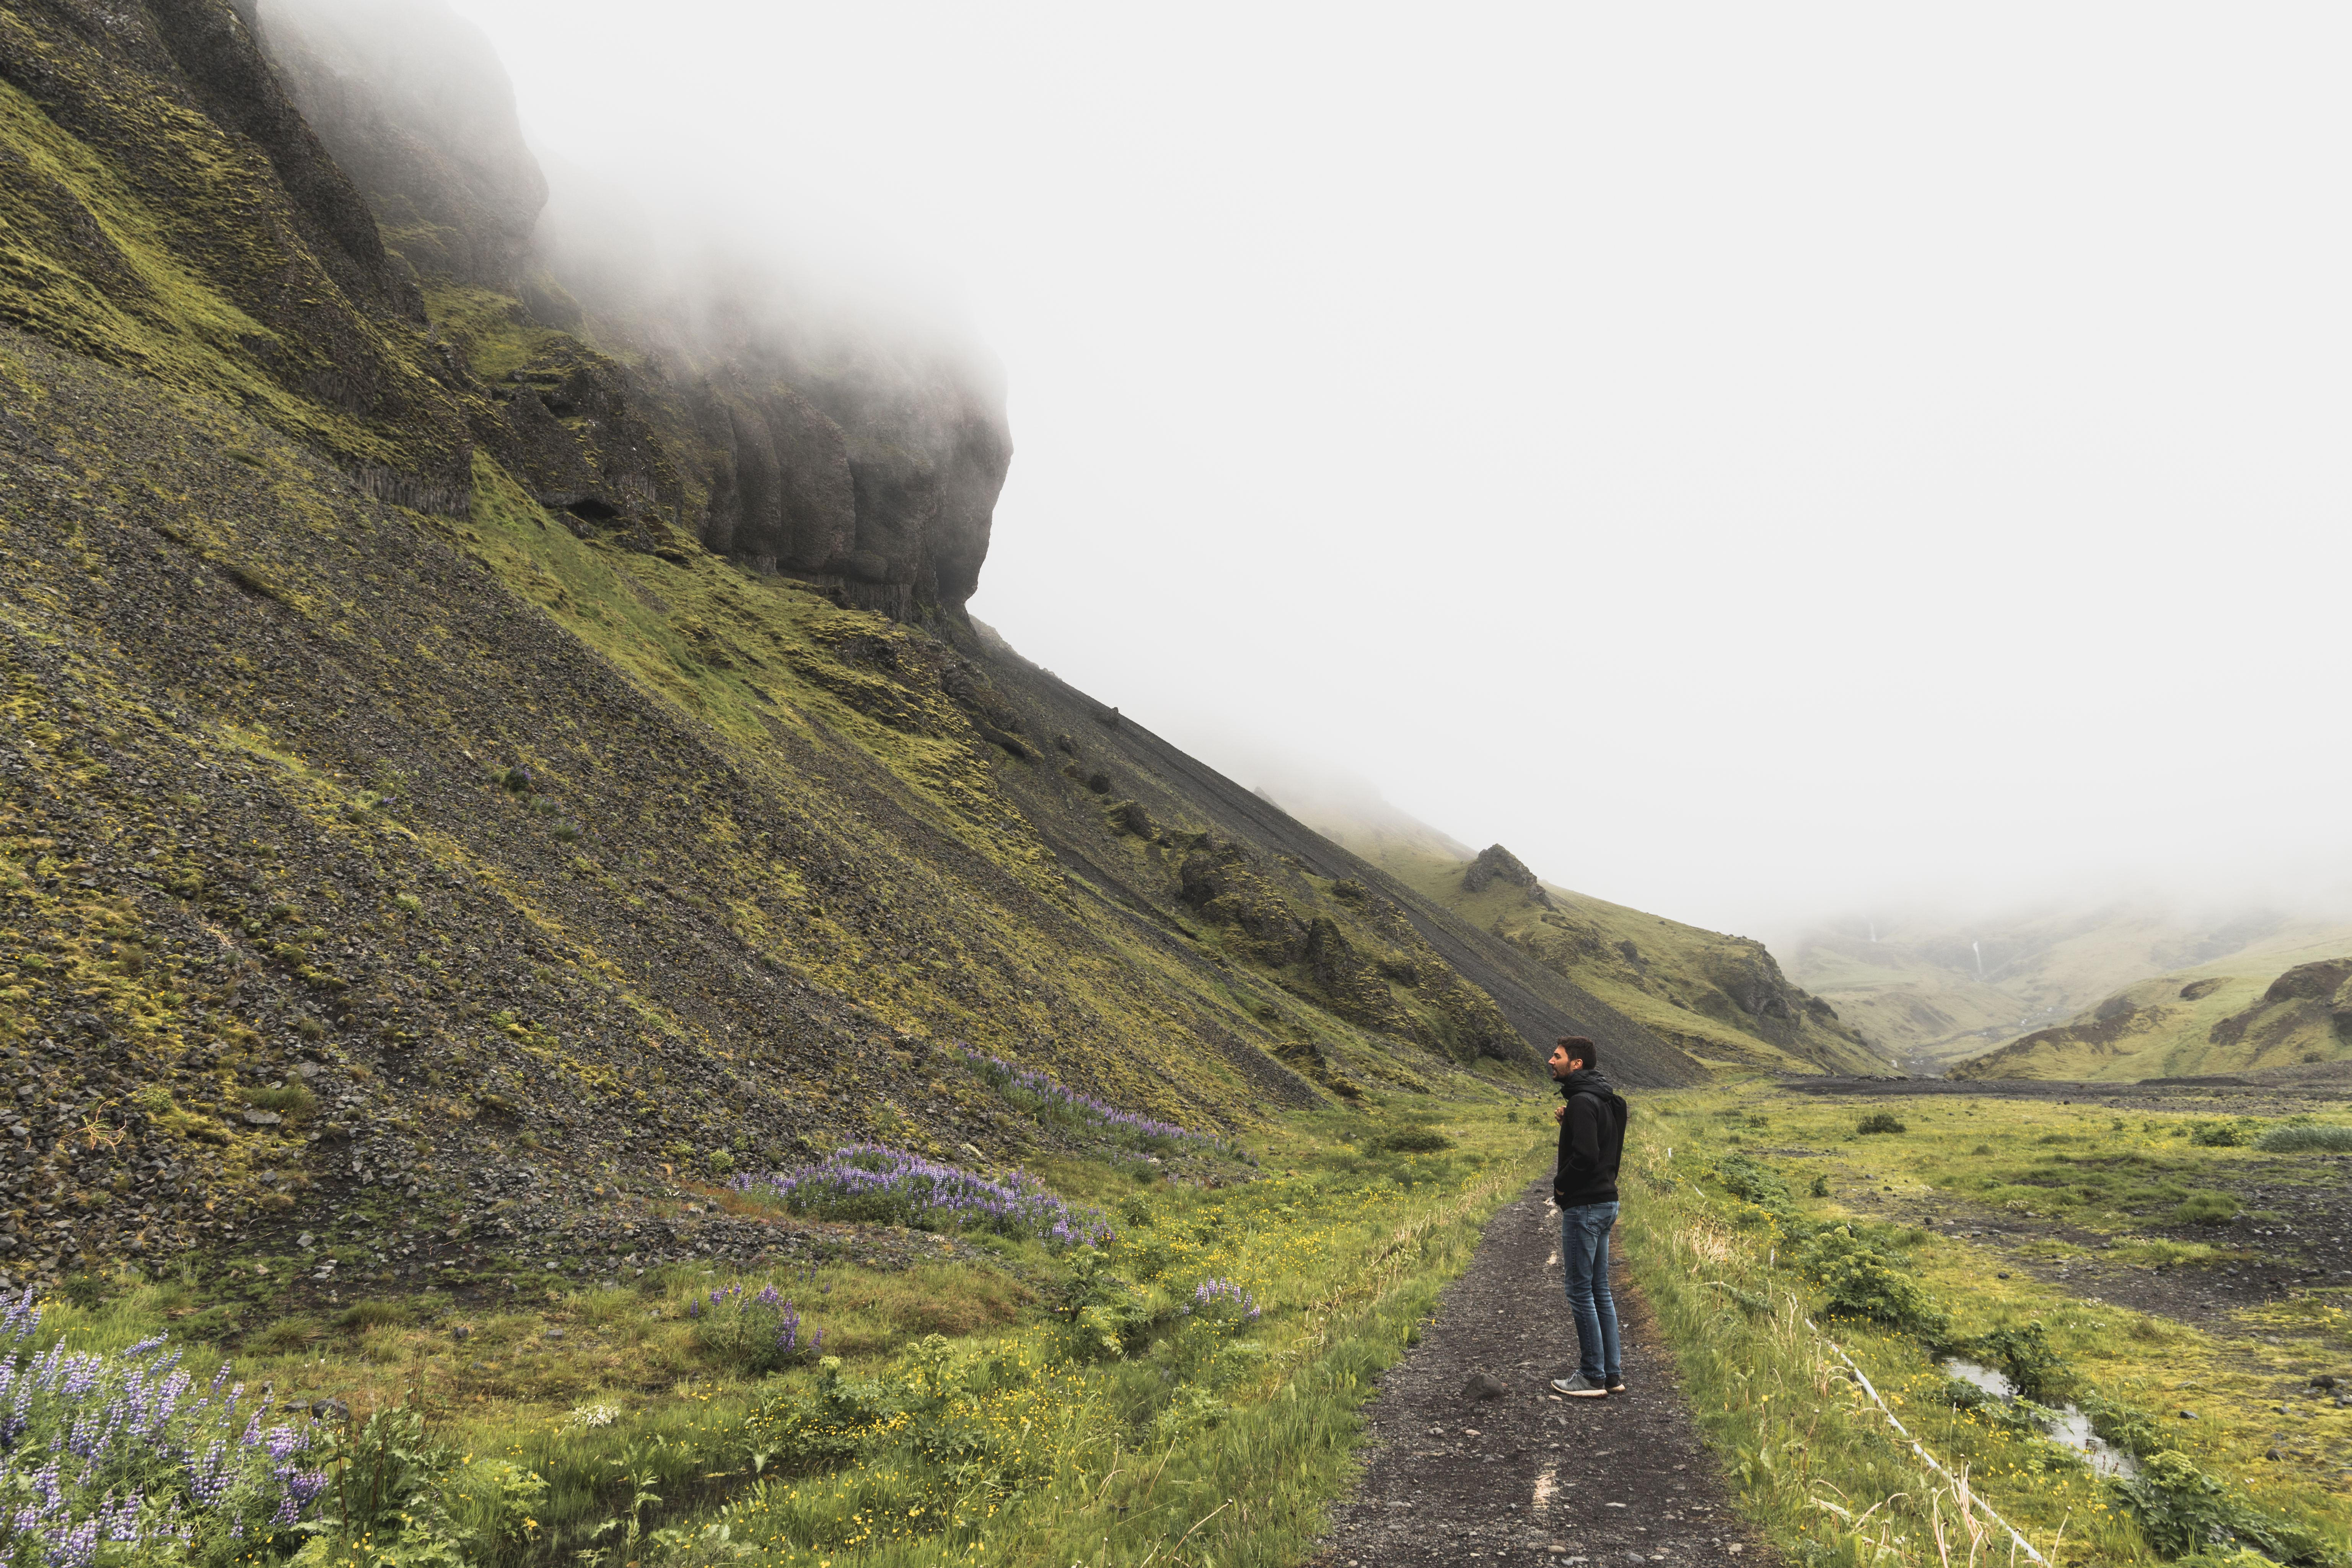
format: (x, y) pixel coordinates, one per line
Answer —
(420, 766)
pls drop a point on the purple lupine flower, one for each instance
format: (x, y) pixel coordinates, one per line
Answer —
(929, 1193)
(1215, 1292)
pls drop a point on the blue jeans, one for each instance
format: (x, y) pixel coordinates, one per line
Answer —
(1584, 1259)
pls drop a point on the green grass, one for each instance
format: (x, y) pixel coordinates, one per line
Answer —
(2294, 1137)
(968, 1416)
(1721, 1270)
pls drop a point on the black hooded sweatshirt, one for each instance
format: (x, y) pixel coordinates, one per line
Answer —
(1591, 1140)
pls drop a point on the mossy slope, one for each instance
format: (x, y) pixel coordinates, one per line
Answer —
(1196, 861)
(512, 839)
(166, 210)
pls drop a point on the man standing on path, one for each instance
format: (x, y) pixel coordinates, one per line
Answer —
(1584, 1186)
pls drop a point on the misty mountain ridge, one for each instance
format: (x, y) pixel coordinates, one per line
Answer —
(1722, 999)
(1934, 994)
(2283, 1005)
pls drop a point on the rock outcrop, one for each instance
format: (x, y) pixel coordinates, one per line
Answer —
(1495, 864)
(412, 103)
(838, 457)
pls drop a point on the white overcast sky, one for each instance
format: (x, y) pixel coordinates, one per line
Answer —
(1753, 461)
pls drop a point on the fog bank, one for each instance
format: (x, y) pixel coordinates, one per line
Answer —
(1759, 466)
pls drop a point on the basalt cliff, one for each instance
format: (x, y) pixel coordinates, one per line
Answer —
(461, 721)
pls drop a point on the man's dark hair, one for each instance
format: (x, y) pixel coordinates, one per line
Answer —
(1580, 1049)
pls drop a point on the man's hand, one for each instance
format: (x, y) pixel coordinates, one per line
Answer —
(1559, 1113)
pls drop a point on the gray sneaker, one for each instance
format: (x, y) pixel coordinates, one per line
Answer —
(1579, 1386)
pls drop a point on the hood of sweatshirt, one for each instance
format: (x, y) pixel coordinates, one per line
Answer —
(1585, 1081)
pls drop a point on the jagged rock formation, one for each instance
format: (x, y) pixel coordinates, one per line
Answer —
(2313, 999)
(851, 463)
(412, 103)
(1231, 873)
(1496, 864)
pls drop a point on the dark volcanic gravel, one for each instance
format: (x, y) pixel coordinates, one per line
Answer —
(1526, 1476)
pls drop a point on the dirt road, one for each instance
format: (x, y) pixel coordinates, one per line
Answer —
(1523, 1475)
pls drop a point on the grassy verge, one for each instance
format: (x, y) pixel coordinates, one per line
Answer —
(1183, 1395)
(1729, 1243)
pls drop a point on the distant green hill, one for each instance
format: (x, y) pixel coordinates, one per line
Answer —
(1931, 994)
(2289, 1007)
(1722, 999)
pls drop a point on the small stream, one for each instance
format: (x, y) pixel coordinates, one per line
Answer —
(2071, 1427)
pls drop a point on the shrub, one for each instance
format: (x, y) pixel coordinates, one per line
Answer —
(1753, 1182)
(1408, 1140)
(1879, 1122)
(2291, 1139)
(388, 1489)
(1821, 1187)
(2126, 1427)
(1040, 1096)
(887, 1186)
(2207, 1208)
(754, 1334)
(2025, 1357)
(2182, 1510)
(1104, 1314)
(2222, 1134)
(1862, 1279)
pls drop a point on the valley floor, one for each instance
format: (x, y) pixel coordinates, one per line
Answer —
(2170, 1258)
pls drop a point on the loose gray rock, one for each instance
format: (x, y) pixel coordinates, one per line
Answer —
(1481, 1386)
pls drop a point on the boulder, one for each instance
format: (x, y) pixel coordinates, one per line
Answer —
(1496, 864)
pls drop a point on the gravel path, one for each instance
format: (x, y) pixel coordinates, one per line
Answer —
(1522, 1475)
